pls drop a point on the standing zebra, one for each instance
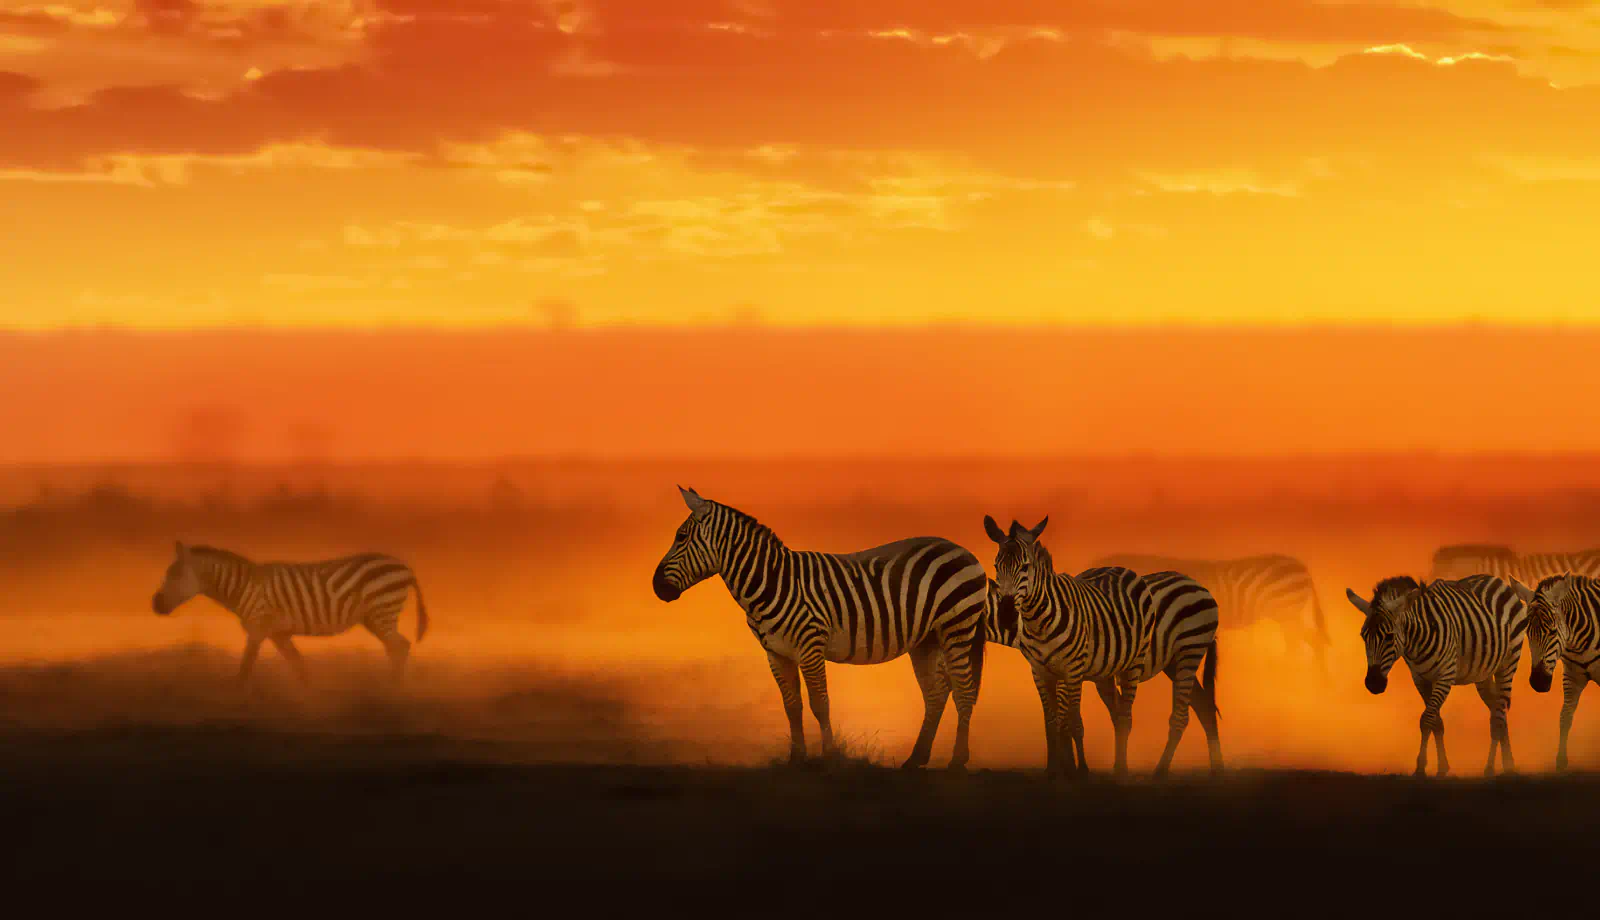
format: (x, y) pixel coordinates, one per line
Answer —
(280, 600)
(1178, 662)
(1271, 587)
(1564, 625)
(1108, 625)
(1460, 559)
(922, 596)
(1467, 631)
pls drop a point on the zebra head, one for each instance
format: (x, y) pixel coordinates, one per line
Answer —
(690, 559)
(181, 583)
(1547, 626)
(1021, 566)
(1378, 630)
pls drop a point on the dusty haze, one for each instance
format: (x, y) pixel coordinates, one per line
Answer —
(545, 632)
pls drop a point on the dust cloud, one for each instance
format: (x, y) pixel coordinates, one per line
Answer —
(546, 639)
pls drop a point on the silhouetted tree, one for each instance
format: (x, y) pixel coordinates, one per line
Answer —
(556, 313)
(209, 434)
(310, 442)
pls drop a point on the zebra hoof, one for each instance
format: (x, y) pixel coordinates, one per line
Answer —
(956, 768)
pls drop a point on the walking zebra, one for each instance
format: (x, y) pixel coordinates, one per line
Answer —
(1564, 625)
(922, 596)
(1461, 559)
(1271, 587)
(279, 600)
(1108, 625)
(1467, 631)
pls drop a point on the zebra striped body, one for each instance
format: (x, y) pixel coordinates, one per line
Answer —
(1463, 559)
(1466, 631)
(1098, 626)
(1247, 590)
(1183, 633)
(280, 600)
(923, 597)
(1563, 625)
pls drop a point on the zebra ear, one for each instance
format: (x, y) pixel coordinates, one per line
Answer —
(692, 499)
(1523, 591)
(993, 529)
(181, 549)
(1364, 606)
(1039, 527)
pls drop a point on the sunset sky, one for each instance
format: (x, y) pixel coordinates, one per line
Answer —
(185, 163)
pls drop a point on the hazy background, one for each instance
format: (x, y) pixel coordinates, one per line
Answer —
(536, 570)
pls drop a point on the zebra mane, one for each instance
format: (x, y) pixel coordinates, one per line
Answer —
(749, 520)
(1394, 586)
(212, 552)
(1491, 550)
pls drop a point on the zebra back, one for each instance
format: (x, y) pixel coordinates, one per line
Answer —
(1459, 560)
(1479, 620)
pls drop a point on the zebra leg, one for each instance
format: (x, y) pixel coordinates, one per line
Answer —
(1073, 744)
(1488, 692)
(934, 680)
(1573, 682)
(1182, 674)
(1204, 702)
(1069, 694)
(285, 647)
(813, 667)
(396, 646)
(787, 673)
(1054, 757)
(247, 661)
(963, 655)
(1433, 723)
(1107, 688)
(1128, 688)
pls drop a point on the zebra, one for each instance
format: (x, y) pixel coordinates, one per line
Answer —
(1272, 587)
(279, 600)
(1466, 631)
(922, 597)
(1564, 625)
(1108, 625)
(1459, 559)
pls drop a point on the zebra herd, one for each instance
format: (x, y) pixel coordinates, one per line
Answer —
(930, 599)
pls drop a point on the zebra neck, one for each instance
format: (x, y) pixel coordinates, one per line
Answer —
(224, 581)
(1056, 603)
(757, 569)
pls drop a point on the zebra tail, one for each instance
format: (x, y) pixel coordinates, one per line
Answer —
(422, 609)
(1209, 675)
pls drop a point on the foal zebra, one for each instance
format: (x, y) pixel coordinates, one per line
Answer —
(1563, 625)
(1460, 559)
(923, 596)
(280, 600)
(1467, 631)
(1108, 625)
(1271, 587)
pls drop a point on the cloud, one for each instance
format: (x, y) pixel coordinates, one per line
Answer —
(152, 170)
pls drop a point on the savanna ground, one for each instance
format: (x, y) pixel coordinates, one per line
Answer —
(562, 725)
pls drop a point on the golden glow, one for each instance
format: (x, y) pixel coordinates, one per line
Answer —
(377, 162)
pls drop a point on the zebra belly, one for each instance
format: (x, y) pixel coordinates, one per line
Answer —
(839, 650)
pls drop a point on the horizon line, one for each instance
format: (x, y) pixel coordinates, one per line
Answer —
(644, 459)
(969, 325)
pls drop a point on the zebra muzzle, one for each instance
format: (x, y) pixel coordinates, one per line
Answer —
(665, 590)
(159, 606)
(1539, 680)
(1377, 682)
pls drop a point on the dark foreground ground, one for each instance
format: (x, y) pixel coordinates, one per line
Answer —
(169, 812)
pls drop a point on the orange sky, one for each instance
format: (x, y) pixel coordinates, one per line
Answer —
(957, 390)
(203, 162)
